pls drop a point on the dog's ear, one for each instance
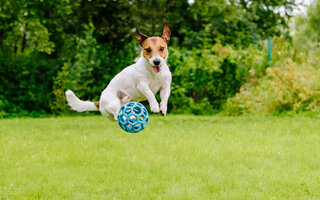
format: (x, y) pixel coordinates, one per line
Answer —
(140, 37)
(166, 32)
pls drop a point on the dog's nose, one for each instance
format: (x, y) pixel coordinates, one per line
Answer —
(156, 62)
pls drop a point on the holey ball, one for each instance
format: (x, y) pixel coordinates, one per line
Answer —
(133, 117)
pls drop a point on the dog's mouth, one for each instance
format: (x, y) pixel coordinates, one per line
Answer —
(156, 68)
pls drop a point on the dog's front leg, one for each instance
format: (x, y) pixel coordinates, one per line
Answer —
(164, 94)
(145, 90)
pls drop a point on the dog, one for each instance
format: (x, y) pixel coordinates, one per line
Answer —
(136, 82)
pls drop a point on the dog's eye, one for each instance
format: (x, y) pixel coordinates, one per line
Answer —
(148, 50)
(161, 48)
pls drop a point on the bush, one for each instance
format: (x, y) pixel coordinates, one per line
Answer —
(34, 84)
(293, 88)
(203, 79)
(290, 85)
(26, 84)
(76, 72)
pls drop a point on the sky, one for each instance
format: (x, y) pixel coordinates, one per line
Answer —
(302, 9)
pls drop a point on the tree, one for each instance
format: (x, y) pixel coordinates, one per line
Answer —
(306, 28)
(240, 22)
(29, 26)
(269, 16)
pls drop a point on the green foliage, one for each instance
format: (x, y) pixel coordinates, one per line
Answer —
(26, 84)
(204, 78)
(239, 23)
(222, 23)
(76, 72)
(291, 85)
(294, 88)
(81, 45)
(266, 16)
(306, 28)
(30, 26)
(45, 25)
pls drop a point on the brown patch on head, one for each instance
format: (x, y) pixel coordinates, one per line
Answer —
(96, 104)
(154, 46)
(154, 40)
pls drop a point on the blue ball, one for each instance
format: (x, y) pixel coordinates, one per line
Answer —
(133, 117)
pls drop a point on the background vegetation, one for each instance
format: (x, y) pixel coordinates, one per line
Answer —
(218, 54)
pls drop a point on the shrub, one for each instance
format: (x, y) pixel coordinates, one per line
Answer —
(203, 79)
(76, 72)
(26, 84)
(289, 85)
(294, 87)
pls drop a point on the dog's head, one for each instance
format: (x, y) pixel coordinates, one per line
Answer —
(155, 49)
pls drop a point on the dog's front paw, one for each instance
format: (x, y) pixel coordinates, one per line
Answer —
(163, 108)
(155, 107)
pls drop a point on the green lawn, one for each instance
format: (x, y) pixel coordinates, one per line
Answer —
(175, 157)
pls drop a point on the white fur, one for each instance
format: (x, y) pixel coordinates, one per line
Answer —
(137, 82)
(76, 104)
(156, 57)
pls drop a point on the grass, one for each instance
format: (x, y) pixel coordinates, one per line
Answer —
(175, 157)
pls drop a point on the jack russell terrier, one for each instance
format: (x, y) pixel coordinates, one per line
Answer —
(136, 82)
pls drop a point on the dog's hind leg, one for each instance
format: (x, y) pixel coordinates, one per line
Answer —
(110, 105)
(114, 107)
(104, 111)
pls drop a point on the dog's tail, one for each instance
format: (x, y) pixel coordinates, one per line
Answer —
(78, 105)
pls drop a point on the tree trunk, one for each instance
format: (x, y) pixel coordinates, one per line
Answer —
(24, 41)
(15, 49)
